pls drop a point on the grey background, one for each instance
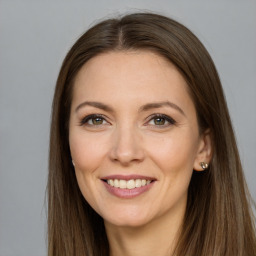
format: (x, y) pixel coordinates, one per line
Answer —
(34, 38)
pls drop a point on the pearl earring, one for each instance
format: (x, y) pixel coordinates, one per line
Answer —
(73, 162)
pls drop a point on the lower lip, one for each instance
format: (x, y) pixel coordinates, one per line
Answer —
(127, 193)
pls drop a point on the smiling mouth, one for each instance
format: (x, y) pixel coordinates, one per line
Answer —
(128, 184)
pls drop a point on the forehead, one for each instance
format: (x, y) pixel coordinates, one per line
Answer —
(129, 75)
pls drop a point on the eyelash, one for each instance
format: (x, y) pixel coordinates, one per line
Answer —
(86, 119)
(171, 121)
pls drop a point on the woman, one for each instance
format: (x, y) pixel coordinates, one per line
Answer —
(143, 158)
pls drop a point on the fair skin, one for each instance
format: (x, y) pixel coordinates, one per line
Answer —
(132, 119)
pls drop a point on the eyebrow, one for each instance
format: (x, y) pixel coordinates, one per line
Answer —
(96, 105)
(145, 107)
(161, 104)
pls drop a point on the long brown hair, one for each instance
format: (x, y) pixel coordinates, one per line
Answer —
(218, 219)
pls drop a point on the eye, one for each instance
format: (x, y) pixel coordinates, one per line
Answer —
(161, 120)
(93, 120)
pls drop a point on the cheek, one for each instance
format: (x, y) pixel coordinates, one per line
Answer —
(174, 153)
(87, 151)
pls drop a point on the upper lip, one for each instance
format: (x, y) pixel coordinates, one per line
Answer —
(127, 177)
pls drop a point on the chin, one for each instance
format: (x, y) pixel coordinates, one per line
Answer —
(127, 220)
(127, 223)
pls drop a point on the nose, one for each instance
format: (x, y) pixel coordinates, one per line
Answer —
(127, 146)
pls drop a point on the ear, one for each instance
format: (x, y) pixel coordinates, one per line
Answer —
(204, 153)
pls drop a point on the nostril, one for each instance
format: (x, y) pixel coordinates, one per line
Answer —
(126, 147)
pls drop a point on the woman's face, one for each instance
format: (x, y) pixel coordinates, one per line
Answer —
(134, 137)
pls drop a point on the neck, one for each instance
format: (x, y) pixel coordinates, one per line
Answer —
(158, 237)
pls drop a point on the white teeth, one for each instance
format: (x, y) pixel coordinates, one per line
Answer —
(111, 183)
(116, 183)
(138, 183)
(122, 184)
(130, 184)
